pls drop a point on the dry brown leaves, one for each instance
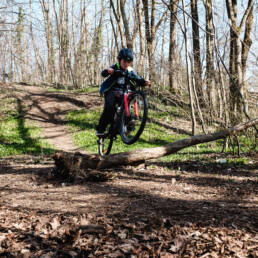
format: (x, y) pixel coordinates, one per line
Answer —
(40, 235)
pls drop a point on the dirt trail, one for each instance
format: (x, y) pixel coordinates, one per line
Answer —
(48, 109)
(193, 209)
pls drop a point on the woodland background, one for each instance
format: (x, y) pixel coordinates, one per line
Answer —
(205, 50)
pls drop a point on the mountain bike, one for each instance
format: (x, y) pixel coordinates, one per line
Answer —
(130, 116)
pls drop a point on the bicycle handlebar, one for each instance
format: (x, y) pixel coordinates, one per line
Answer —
(131, 76)
(121, 73)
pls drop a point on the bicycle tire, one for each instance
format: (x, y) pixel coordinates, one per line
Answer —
(141, 118)
(105, 143)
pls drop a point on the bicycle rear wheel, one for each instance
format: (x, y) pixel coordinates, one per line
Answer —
(105, 143)
(133, 125)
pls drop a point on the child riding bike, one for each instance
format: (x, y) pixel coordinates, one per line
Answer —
(112, 87)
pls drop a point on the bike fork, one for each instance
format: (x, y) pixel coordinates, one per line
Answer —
(127, 106)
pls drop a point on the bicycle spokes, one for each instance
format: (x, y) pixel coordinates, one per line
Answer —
(105, 143)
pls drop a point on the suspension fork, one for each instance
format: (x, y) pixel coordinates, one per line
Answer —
(126, 104)
(136, 109)
(126, 101)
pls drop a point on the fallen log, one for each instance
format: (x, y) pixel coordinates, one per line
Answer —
(79, 164)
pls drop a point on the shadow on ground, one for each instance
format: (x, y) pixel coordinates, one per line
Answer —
(124, 197)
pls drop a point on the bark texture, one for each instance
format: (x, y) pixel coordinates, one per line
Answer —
(151, 28)
(210, 70)
(172, 46)
(197, 51)
(237, 56)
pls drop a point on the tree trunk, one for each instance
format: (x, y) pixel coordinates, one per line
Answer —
(69, 164)
(40, 65)
(63, 40)
(237, 104)
(115, 49)
(49, 39)
(117, 14)
(210, 71)
(197, 101)
(19, 44)
(246, 47)
(172, 46)
(150, 33)
(80, 48)
(189, 84)
(129, 42)
(141, 38)
(196, 51)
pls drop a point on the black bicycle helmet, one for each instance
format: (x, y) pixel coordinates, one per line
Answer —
(126, 54)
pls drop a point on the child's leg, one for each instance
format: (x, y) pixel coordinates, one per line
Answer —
(108, 113)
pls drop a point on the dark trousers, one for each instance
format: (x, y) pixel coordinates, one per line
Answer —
(111, 98)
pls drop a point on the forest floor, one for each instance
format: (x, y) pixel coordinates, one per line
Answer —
(193, 209)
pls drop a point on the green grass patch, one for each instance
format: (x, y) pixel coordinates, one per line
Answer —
(83, 123)
(16, 136)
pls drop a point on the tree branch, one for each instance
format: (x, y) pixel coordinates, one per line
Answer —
(72, 163)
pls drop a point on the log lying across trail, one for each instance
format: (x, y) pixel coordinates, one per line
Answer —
(75, 162)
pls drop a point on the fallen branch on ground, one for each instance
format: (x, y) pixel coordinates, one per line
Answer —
(71, 164)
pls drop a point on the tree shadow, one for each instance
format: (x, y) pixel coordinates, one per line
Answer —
(27, 143)
(174, 129)
(55, 117)
(132, 203)
(229, 205)
(60, 97)
(211, 168)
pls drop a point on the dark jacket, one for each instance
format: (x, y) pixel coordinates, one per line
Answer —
(112, 80)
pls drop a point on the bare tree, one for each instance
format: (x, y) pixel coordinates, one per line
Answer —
(188, 67)
(247, 42)
(80, 51)
(117, 14)
(151, 28)
(63, 39)
(130, 36)
(172, 46)
(141, 36)
(45, 5)
(19, 44)
(95, 48)
(237, 56)
(196, 51)
(210, 71)
(40, 63)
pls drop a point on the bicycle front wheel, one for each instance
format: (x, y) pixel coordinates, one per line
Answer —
(105, 143)
(133, 122)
